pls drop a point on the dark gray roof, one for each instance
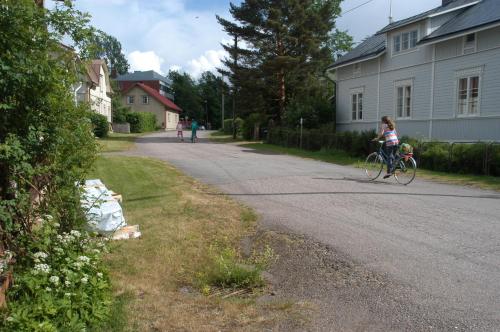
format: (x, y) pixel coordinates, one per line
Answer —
(484, 13)
(435, 11)
(149, 75)
(372, 46)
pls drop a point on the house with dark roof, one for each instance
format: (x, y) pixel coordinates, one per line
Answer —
(150, 78)
(143, 98)
(95, 88)
(437, 73)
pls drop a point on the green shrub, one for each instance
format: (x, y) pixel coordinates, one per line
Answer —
(99, 124)
(495, 160)
(141, 122)
(435, 156)
(228, 126)
(60, 284)
(249, 124)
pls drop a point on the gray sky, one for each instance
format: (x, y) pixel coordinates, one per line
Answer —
(184, 34)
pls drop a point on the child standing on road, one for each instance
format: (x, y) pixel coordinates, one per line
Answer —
(194, 128)
(388, 132)
(179, 131)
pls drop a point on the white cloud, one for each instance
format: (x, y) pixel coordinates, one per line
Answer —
(209, 61)
(145, 61)
(175, 68)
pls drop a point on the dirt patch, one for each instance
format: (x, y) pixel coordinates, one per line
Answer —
(336, 294)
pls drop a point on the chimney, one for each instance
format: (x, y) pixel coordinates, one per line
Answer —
(446, 2)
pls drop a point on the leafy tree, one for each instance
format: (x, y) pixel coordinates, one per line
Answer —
(211, 88)
(186, 95)
(46, 142)
(110, 49)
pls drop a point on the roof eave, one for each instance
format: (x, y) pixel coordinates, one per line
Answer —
(357, 60)
(459, 33)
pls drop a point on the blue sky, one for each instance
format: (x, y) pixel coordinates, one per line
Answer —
(184, 34)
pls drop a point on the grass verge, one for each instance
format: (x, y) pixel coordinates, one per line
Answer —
(116, 142)
(342, 158)
(188, 252)
(221, 137)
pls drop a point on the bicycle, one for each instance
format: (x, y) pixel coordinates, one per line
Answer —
(405, 166)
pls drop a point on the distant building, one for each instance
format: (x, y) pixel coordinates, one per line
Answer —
(143, 98)
(96, 89)
(150, 78)
(437, 73)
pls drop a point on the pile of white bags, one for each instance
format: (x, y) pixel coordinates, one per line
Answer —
(103, 211)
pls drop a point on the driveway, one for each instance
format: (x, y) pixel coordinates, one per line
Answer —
(439, 244)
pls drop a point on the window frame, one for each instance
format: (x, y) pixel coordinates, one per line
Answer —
(130, 100)
(406, 106)
(400, 36)
(145, 97)
(466, 46)
(355, 96)
(468, 74)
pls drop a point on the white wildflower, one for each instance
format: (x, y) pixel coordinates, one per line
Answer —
(59, 250)
(54, 280)
(67, 294)
(10, 319)
(57, 225)
(7, 254)
(78, 265)
(99, 275)
(67, 283)
(84, 280)
(59, 237)
(40, 255)
(75, 233)
(84, 259)
(48, 289)
(48, 217)
(41, 268)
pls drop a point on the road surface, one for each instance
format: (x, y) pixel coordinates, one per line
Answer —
(440, 242)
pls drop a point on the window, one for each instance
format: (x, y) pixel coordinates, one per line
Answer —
(405, 41)
(403, 99)
(357, 106)
(468, 95)
(130, 99)
(357, 69)
(397, 44)
(469, 43)
(101, 82)
(145, 99)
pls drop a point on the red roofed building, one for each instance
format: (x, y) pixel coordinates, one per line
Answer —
(142, 98)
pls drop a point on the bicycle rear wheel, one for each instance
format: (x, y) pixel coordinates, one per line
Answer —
(373, 166)
(406, 169)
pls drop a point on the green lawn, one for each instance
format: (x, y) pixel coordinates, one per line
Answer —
(184, 228)
(342, 158)
(116, 142)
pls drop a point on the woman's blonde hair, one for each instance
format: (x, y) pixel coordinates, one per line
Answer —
(389, 122)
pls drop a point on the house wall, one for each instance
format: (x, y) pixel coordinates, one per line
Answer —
(172, 120)
(434, 102)
(153, 106)
(100, 101)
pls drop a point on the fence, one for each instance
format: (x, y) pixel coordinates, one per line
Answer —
(482, 158)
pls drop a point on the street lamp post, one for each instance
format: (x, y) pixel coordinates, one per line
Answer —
(206, 111)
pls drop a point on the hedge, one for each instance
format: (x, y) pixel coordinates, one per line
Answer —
(228, 126)
(99, 124)
(141, 122)
(466, 158)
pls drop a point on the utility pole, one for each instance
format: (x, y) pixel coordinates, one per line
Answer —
(234, 84)
(222, 102)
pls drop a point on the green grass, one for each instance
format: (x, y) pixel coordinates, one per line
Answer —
(221, 137)
(116, 142)
(342, 158)
(186, 237)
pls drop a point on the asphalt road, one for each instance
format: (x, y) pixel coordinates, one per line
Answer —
(440, 242)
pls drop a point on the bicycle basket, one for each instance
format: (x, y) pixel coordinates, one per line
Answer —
(406, 149)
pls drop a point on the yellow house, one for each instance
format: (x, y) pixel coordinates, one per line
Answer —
(142, 98)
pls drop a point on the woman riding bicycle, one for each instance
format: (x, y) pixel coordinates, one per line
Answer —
(388, 132)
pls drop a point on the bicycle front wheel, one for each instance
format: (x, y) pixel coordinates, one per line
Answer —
(406, 169)
(373, 166)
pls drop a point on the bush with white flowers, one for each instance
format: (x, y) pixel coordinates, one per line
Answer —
(62, 285)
